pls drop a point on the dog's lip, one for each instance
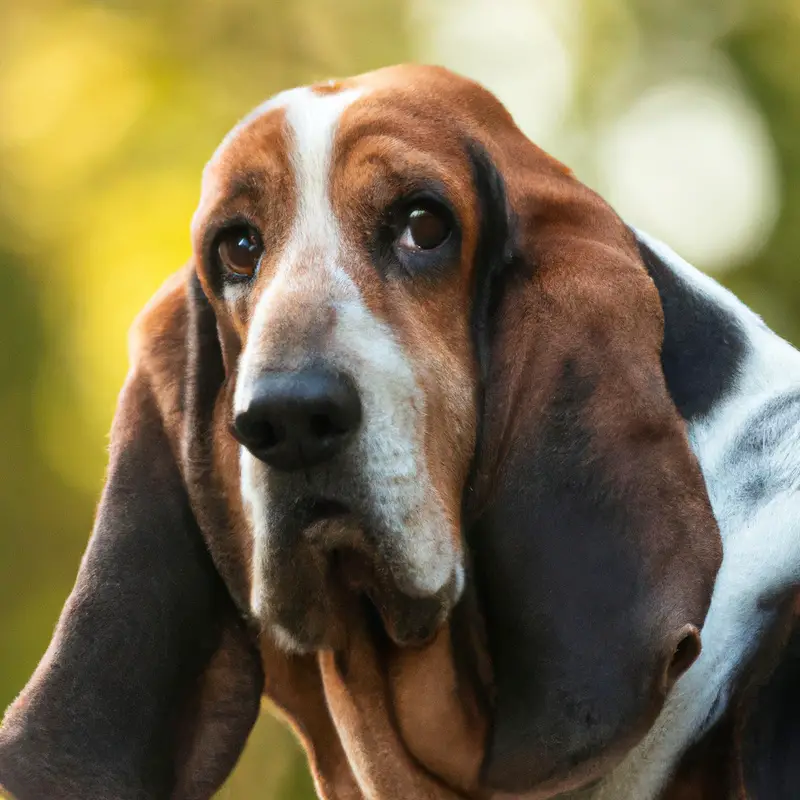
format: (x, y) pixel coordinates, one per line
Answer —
(358, 573)
(330, 524)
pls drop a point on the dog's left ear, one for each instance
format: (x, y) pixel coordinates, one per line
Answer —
(152, 680)
(595, 547)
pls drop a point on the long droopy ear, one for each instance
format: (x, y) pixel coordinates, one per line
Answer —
(152, 681)
(595, 545)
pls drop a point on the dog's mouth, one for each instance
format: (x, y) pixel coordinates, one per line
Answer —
(329, 525)
(332, 563)
(408, 621)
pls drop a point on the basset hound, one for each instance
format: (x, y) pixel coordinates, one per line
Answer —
(432, 449)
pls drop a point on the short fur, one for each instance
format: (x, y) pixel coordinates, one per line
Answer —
(553, 553)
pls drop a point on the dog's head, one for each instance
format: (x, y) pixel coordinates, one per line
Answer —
(409, 334)
(335, 238)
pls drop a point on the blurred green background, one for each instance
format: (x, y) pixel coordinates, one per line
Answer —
(684, 114)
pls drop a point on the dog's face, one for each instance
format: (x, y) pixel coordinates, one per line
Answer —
(336, 236)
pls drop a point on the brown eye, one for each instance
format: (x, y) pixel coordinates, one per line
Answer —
(425, 229)
(239, 250)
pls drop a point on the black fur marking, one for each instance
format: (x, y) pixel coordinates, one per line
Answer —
(494, 251)
(205, 369)
(704, 345)
(494, 259)
(776, 421)
(204, 379)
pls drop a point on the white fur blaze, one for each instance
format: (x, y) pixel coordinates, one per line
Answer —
(311, 283)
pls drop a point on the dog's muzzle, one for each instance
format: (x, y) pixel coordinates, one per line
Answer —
(328, 534)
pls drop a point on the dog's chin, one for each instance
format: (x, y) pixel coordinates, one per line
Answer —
(336, 572)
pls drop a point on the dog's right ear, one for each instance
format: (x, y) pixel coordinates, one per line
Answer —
(152, 680)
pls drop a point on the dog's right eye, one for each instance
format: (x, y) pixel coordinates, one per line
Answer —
(239, 250)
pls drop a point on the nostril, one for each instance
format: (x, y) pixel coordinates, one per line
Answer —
(260, 433)
(265, 434)
(323, 426)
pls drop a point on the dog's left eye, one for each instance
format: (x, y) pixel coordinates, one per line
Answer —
(425, 229)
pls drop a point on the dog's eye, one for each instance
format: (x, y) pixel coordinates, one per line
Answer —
(426, 229)
(239, 250)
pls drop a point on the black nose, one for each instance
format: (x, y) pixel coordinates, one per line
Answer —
(299, 419)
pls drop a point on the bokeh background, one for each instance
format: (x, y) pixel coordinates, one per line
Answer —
(684, 114)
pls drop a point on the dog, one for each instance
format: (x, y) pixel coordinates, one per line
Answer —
(491, 494)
